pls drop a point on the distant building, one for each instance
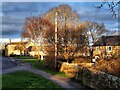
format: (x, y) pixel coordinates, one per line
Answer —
(23, 48)
(15, 48)
(107, 46)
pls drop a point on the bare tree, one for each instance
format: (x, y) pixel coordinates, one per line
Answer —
(34, 29)
(66, 17)
(68, 26)
(93, 31)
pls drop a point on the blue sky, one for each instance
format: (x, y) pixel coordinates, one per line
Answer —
(14, 13)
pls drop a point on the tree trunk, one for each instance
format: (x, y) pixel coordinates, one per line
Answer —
(91, 54)
(56, 40)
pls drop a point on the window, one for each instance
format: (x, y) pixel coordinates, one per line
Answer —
(109, 48)
(97, 48)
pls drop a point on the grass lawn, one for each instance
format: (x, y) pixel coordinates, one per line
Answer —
(36, 64)
(23, 79)
(23, 57)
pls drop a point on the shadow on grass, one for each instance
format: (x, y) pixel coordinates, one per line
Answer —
(22, 57)
(39, 65)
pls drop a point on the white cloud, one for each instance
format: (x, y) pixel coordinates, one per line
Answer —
(6, 40)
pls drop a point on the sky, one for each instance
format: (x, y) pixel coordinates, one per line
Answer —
(14, 13)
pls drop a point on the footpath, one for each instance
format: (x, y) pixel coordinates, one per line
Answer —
(64, 82)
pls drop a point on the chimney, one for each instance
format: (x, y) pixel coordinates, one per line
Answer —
(21, 39)
(9, 40)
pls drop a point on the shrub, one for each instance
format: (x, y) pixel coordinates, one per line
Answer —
(110, 66)
(82, 60)
(49, 61)
(61, 58)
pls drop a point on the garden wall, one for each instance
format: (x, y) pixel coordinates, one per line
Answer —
(72, 69)
(69, 69)
(99, 80)
(90, 77)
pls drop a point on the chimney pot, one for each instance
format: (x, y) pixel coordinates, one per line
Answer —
(9, 40)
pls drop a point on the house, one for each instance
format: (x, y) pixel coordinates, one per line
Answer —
(34, 51)
(106, 47)
(26, 48)
(15, 48)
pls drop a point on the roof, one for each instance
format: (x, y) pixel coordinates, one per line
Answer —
(33, 48)
(15, 43)
(108, 41)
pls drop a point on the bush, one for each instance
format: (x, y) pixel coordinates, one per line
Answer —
(110, 66)
(49, 61)
(82, 60)
(61, 58)
(3, 52)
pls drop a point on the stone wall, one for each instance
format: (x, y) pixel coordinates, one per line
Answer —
(90, 77)
(99, 80)
(72, 69)
(69, 69)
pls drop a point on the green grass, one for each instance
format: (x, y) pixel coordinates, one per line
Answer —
(0, 54)
(0, 81)
(23, 79)
(24, 57)
(39, 65)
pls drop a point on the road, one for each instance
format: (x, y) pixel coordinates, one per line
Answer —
(5, 63)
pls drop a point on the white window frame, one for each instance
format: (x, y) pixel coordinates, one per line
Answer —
(107, 48)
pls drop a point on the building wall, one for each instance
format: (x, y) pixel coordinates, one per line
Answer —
(16, 52)
(9, 50)
(102, 52)
(29, 44)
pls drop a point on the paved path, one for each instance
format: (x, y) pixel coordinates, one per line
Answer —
(62, 81)
(6, 62)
